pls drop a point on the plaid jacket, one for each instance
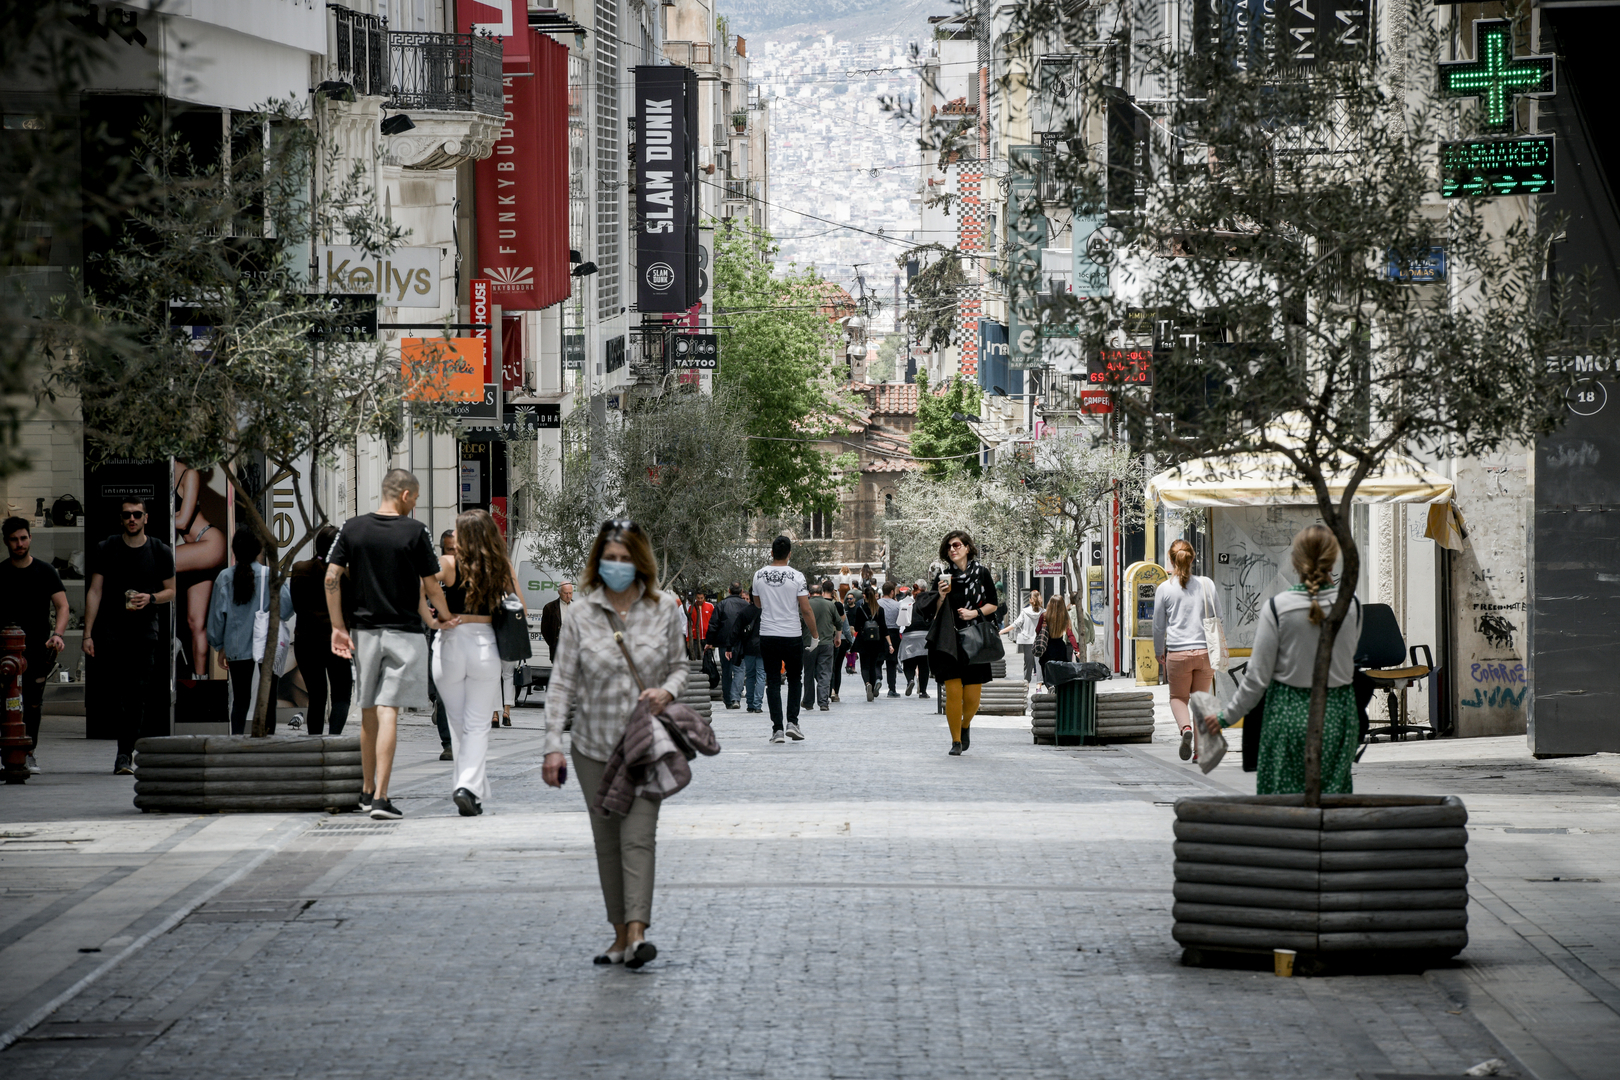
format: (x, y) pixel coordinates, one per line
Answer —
(590, 671)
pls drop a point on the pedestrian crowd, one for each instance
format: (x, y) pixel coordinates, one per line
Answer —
(386, 623)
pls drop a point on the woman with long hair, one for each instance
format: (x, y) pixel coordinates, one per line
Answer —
(1280, 668)
(871, 642)
(967, 593)
(1181, 603)
(592, 671)
(199, 549)
(305, 592)
(1022, 631)
(466, 663)
(1055, 640)
(240, 592)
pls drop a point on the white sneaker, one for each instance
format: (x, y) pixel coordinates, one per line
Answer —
(33, 766)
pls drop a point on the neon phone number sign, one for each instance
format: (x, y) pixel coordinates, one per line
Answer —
(1121, 366)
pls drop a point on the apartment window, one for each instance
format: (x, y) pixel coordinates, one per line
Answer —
(609, 253)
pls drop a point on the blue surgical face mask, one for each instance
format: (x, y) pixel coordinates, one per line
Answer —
(616, 575)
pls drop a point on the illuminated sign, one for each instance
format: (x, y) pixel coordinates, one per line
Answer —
(1420, 269)
(1121, 366)
(1482, 167)
(1496, 76)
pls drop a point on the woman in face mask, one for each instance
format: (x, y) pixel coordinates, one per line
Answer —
(620, 590)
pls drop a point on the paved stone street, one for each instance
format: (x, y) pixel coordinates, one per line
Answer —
(857, 905)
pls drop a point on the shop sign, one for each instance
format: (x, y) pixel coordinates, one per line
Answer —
(442, 369)
(1490, 167)
(354, 317)
(1093, 243)
(1096, 402)
(478, 306)
(1422, 269)
(1049, 569)
(521, 189)
(517, 422)
(665, 207)
(1245, 31)
(696, 351)
(483, 408)
(406, 277)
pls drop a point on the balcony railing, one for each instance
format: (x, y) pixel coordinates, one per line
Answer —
(697, 55)
(448, 72)
(360, 42)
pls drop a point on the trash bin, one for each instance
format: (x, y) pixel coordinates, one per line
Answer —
(1076, 687)
(1076, 713)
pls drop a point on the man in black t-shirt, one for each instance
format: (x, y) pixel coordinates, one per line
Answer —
(28, 588)
(389, 560)
(131, 574)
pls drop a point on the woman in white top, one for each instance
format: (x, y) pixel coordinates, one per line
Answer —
(621, 581)
(1180, 606)
(1022, 630)
(1280, 668)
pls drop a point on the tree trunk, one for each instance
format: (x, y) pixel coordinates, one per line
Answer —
(1338, 519)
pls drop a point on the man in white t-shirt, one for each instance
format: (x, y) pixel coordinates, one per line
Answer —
(784, 610)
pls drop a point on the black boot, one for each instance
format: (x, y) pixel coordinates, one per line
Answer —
(956, 749)
(965, 738)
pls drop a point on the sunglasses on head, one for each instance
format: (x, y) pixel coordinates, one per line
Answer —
(128, 514)
(620, 525)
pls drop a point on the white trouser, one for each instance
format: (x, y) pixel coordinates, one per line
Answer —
(508, 684)
(467, 671)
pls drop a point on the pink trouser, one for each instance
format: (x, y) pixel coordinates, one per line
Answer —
(1188, 671)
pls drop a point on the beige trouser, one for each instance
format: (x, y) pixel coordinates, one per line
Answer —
(626, 848)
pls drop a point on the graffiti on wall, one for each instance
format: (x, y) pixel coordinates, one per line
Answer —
(1251, 562)
(1489, 583)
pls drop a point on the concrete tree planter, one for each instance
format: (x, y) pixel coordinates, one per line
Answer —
(207, 773)
(1363, 877)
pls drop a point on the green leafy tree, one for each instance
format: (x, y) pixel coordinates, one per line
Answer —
(267, 373)
(1268, 237)
(778, 358)
(949, 446)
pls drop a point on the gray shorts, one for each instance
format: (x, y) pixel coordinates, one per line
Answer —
(391, 669)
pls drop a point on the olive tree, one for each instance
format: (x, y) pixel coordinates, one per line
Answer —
(1271, 244)
(257, 366)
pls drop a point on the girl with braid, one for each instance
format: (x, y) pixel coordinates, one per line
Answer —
(1280, 667)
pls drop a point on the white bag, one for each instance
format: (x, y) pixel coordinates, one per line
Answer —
(261, 615)
(284, 640)
(1214, 633)
(1211, 748)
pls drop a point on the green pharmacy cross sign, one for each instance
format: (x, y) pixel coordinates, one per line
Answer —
(1497, 76)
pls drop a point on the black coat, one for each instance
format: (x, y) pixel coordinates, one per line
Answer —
(942, 665)
(742, 632)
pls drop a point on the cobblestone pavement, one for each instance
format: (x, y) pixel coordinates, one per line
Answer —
(857, 905)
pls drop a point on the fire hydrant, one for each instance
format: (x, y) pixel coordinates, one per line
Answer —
(14, 742)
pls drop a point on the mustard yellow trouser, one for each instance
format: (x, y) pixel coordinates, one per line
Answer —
(961, 706)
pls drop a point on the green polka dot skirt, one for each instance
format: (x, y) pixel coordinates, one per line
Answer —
(1282, 740)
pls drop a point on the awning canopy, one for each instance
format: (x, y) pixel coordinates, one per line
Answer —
(1269, 479)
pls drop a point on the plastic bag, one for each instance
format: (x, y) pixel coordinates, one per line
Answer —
(1211, 748)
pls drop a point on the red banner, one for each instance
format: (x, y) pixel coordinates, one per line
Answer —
(522, 189)
(511, 354)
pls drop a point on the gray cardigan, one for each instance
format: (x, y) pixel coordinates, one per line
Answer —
(1178, 614)
(1285, 648)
